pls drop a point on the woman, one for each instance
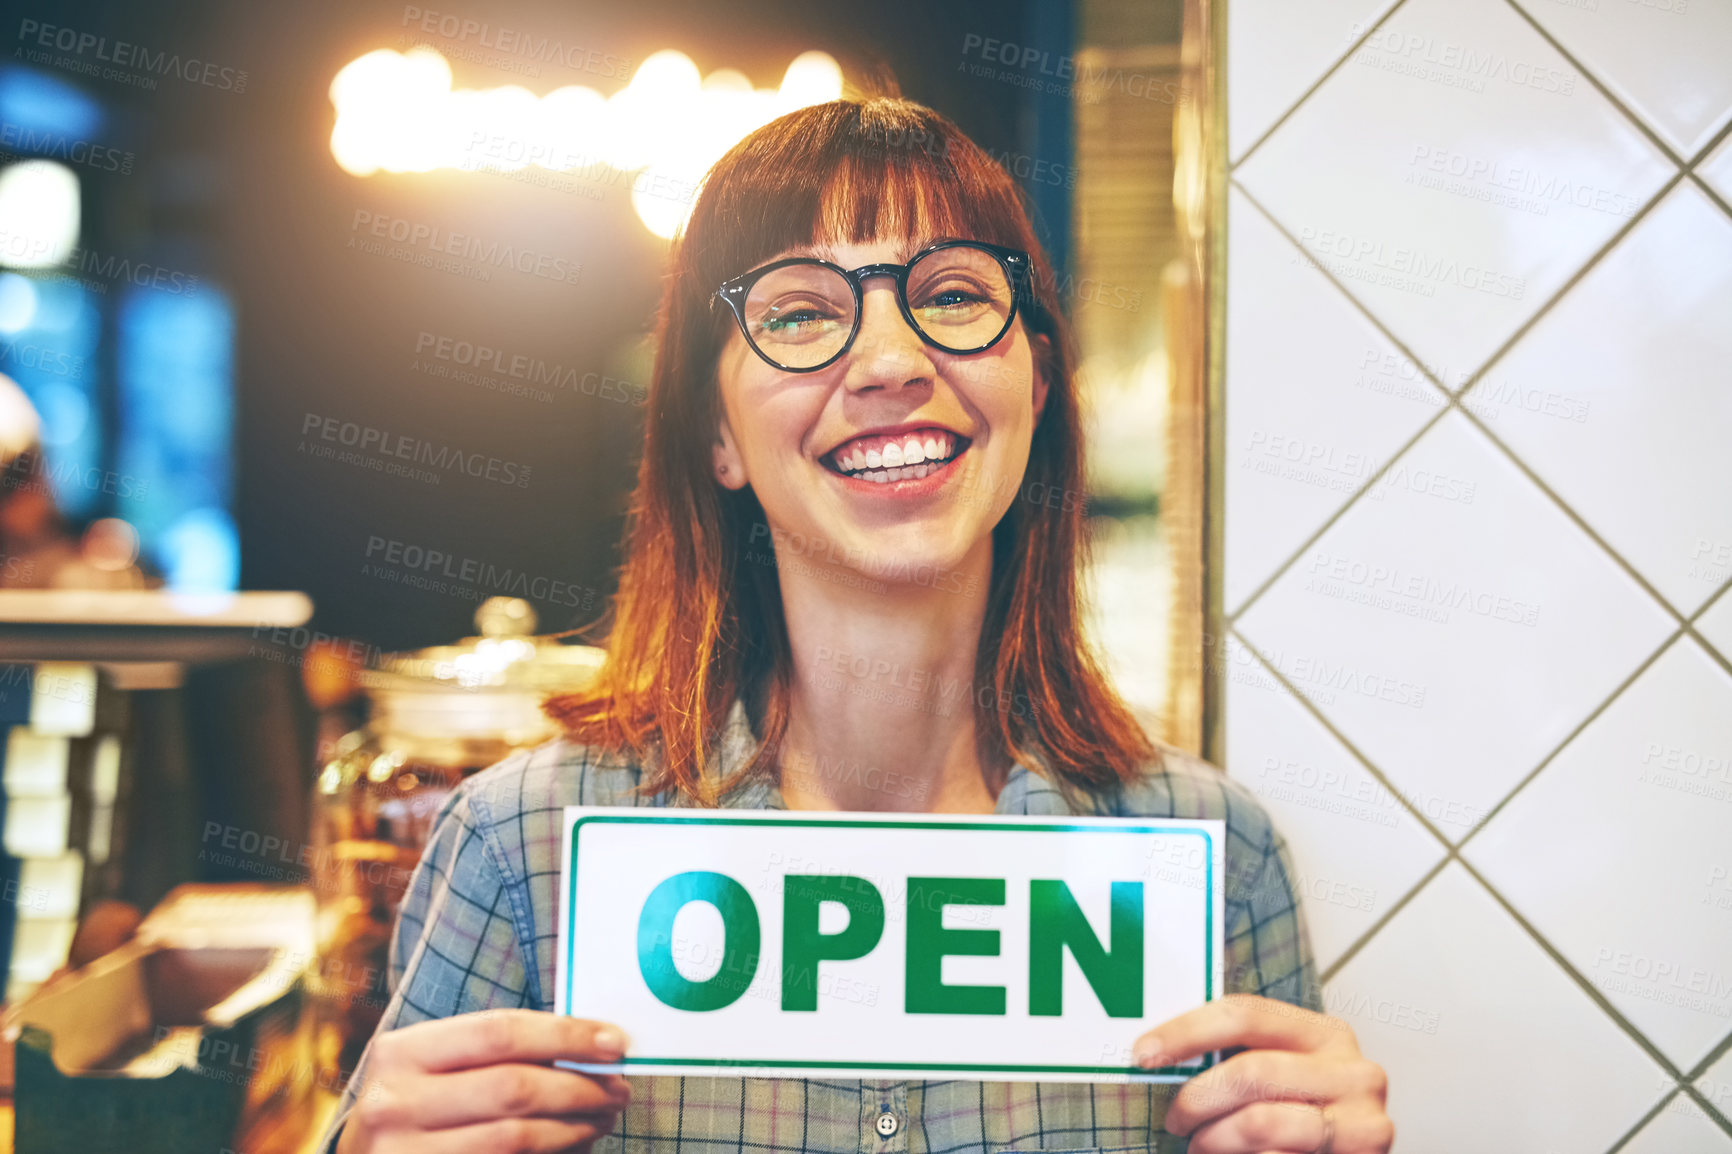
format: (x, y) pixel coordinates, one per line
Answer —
(862, 368)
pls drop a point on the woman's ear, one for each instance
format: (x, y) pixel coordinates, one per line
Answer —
(725, 458)
(1042, 359)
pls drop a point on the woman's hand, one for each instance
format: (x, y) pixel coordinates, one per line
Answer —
(480, 1084)
(1301, 1085)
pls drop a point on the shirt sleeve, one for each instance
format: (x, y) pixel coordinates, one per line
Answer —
(1268, 942)
(455, 947)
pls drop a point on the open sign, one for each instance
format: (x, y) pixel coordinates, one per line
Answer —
(760, 943)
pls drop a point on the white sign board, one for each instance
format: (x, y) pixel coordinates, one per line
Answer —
(758, 943)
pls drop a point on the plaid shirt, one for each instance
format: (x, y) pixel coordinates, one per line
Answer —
(477, 931)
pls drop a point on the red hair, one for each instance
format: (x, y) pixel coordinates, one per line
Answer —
(695, 625)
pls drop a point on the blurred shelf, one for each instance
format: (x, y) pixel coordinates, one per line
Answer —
(142, 625)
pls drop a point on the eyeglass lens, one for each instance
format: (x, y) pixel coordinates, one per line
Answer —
(800, 315)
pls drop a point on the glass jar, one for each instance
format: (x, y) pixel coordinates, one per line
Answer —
(436, 716)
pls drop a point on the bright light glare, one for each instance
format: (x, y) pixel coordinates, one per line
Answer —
(38, 214)
(812, 78)
(397, 112)
(17, 303)
(19, 424)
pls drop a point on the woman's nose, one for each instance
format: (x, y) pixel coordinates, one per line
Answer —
(887, 351)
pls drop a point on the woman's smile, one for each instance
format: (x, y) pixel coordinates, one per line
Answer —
(910, 460)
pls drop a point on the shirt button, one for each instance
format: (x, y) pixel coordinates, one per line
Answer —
(887, 1124)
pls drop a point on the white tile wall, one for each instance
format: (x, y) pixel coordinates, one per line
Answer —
(1598, 381)
(1453, 173)
(1478, 506)
(1489, 1046)
(1358, 850)
(1664, 59)
(1280, 49)
(1637, 805)
(1325, 399)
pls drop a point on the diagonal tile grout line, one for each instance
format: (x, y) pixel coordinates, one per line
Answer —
(1587, 987)
(1444, 400)
(1724, 1118)
(1318, 83)
(1593, 716)
(1708, 1108)
(1452, 397)
(1703, 154)
(1720, 134)
(1594, 79)
(1346, 742)
(1681, 1089)
(1665, 189)
(1569, 511)
(1708, 190)
(1364, 939)
(1672, 639)
(1642, 1122)
(1575, 278)
(1724, 660)
(1451, 849)
(1377, 775)
(1453, 853)
(1713, 1055)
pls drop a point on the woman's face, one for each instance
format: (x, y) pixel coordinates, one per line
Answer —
(792, 436)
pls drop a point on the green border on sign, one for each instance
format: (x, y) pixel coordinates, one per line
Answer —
(570, 900)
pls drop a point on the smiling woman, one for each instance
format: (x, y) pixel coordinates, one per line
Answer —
(861, 362)
(822, 183)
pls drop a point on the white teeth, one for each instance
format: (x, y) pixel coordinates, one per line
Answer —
(915, 457)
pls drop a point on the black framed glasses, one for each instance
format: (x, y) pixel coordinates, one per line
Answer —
(802, 313)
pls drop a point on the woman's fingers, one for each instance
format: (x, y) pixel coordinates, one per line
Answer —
(492, 1037)
(511, 1090)
(1241, 1020)
(1265, 1126)
(503, 1136)
(1272, 1076)
(1354, 1128)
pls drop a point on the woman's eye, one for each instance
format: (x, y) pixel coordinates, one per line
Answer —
(792, 319)
(795, 317)
(953, 296)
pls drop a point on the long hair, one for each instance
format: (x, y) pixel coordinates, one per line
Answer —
(696, 625)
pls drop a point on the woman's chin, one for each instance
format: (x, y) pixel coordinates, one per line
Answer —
(905, 556)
